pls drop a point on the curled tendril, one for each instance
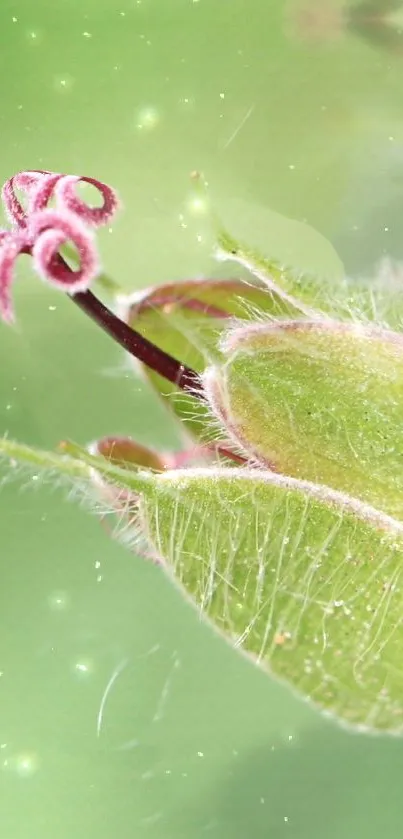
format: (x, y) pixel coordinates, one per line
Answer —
(41, 192)
(41, 230)
(11, 245)
(68, 199)
(50, 229)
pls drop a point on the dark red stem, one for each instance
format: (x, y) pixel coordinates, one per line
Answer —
(138, 346)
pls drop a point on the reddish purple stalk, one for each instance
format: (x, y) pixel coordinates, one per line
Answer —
(138, 346)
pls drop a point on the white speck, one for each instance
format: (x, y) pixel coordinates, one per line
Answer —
(159, 713)
(24, 765)
(239, 127)
(182, 221)
(198, 206)
(147, 119)
(14, 19)
(291, 166)
(107, 691)
(130, 744)
(222, 95)
(200, 754)
(63, 83)
(286, 818)
(83, 668)
(59, 601)
(87, 35)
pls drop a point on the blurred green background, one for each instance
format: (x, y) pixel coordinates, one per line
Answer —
(286, 111)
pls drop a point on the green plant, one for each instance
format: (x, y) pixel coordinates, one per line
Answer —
(281, 519)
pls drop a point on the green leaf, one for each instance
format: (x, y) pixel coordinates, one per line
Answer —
(187, 320)
(296, 289)
(313, 294)
(303, 579)
(39, 460)
(302, 265)
(73, 463)
(283, 240)
(321, 401)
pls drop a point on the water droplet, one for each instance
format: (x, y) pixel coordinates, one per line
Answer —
(83, 668)
(63, 84)
(197, 206)
(147, 118)
(34, 36)
(59, 601)
(24, 765)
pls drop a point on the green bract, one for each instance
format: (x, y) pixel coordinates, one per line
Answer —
(320, 400)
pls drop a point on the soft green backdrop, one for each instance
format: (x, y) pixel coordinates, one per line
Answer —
(190, 741)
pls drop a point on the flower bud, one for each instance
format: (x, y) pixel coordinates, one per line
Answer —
(320, 400)
(187, 319)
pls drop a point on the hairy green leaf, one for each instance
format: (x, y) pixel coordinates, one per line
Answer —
(305, 580)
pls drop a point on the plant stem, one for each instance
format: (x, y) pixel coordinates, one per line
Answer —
(138, 346)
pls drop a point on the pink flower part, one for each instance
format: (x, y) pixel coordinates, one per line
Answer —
(49, 230)
(69, 200)
(13, 207)
(41, 231)
(24, 181)
(41, 186)
(12, 244)
(41, 191)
